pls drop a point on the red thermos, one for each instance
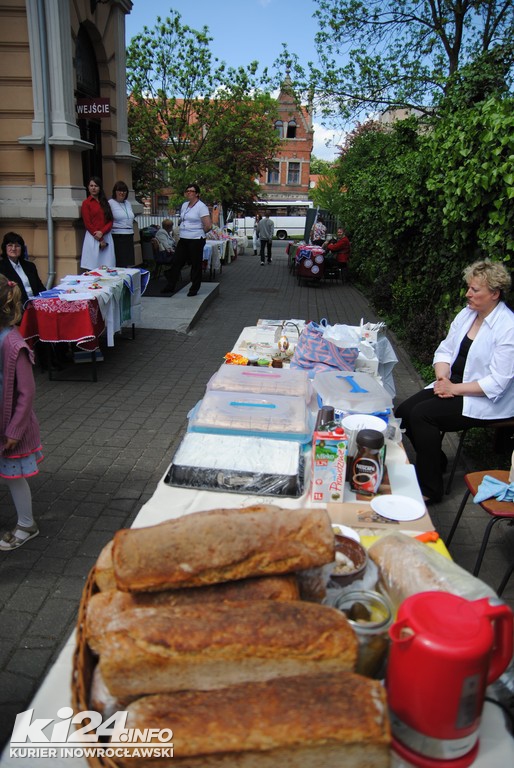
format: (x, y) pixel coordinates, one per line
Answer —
(444, 651)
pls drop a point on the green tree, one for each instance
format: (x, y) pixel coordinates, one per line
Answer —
(375, 54)
(193, 119)
(319, 165)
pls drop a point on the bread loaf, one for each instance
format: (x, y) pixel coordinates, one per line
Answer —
(104, 606)
(155, 650)
(104, 570)
(101, 699)
(406, 567)
(221, 545)
(318, 721)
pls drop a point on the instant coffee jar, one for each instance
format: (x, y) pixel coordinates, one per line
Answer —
(368, 464)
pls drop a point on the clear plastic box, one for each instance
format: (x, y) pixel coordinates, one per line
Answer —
(238, 464)
(352, 391)
(270, 381)
(245, 413)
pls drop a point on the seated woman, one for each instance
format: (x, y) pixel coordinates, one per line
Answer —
(17, 268)
(474, 369)
(338, 248)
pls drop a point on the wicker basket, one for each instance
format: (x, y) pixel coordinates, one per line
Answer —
(84, 664)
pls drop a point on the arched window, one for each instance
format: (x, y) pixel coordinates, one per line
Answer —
(279, 128)
(291, 129)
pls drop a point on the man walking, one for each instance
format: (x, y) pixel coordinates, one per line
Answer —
(265, 229)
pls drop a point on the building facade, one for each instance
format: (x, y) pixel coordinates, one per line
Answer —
(63, 118)
(288, 176)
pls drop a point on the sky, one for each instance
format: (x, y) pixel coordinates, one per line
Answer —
(244, 31)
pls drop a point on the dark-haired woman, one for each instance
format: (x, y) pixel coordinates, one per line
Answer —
(17, 268)
(98, 246)
(122, 226)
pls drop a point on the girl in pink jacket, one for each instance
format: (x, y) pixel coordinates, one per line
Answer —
(20, 443)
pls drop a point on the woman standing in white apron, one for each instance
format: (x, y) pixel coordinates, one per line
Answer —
(98, 246)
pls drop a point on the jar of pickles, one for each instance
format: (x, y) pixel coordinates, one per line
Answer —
(370, 614)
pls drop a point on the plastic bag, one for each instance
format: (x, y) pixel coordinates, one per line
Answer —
(407, 567)
(342, 336)
(314, 352)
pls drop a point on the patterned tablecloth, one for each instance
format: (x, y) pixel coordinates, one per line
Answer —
(79, 313)
(54, 320)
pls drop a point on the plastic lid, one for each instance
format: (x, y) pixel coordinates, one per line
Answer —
(370, 438)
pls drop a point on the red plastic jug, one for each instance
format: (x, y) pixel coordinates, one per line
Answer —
(444, 651)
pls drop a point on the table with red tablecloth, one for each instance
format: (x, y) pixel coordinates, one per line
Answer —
(83, 307)
(55, 320)
(306, 260)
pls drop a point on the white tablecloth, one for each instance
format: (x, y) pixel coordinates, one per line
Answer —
(496, 746)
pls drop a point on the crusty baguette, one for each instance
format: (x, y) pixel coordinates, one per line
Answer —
(160, 650)
(221, 545)
(100, 698)
(313, 721)
(104, 569)
(104, 606)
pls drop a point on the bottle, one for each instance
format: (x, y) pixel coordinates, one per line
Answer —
(368, 465)
(325, 416)
(511, 474)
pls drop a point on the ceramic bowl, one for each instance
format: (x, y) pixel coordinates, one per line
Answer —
(353, 562)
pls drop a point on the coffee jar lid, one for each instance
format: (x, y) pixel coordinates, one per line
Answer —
(370, 438)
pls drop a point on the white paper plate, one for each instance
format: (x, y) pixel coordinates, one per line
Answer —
(345, 530)
(395, 507)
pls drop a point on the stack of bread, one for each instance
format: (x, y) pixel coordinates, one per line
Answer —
(198, 627)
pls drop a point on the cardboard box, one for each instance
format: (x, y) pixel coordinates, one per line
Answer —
(360, 515)
(328, 466)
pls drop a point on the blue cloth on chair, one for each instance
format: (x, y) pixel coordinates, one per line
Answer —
(490, 487)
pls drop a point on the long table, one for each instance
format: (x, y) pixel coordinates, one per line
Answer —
(82, 307)
(168, 502)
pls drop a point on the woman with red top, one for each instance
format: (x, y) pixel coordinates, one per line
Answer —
(98, 246)
(338, 248)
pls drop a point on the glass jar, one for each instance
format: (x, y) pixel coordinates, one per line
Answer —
(370, 615)
(368, 464)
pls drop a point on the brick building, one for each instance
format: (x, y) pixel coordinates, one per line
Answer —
(288, 177)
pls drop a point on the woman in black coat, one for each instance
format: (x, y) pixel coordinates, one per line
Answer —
(16, 267)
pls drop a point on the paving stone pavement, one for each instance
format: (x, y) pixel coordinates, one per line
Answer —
(107, 444)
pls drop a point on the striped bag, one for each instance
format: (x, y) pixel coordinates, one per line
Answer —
(313, 352)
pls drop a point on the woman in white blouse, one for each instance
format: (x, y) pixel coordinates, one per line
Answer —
(474, 370)
(123, 225)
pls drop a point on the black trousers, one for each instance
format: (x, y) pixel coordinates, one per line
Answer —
(424, 417)
(190, 252)
(265, 246)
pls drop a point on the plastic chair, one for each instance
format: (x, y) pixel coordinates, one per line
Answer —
(498, 511)
(508, 423)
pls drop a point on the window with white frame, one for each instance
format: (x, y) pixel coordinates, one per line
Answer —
(279, 128)
(274, 173)
(293, 173)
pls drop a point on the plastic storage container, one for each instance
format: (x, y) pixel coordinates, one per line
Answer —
(238, 464)
(244, 413)
(240, 378)
(352, 392)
